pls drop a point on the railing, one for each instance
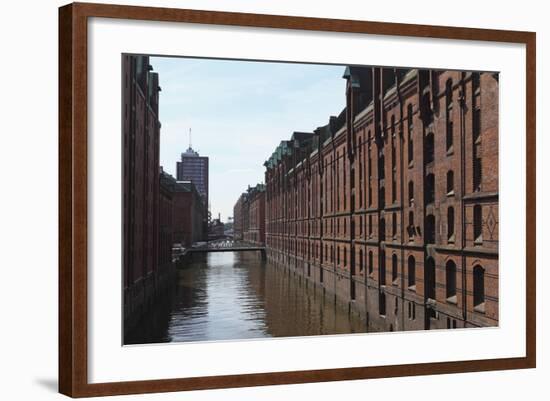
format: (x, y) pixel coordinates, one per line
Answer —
(227, 245)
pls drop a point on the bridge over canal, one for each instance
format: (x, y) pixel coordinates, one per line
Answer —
(228, 245)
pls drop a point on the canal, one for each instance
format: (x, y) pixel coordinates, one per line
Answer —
(230, 296)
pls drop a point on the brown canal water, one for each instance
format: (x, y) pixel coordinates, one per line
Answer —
(231, 296)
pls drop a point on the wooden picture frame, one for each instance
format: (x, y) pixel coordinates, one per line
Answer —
(73, 195)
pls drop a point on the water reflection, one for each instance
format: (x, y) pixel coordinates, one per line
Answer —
(228, 296)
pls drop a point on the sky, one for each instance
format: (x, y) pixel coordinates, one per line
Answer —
(239, 112)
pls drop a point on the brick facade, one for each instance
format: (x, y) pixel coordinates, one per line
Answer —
(188, 214)
(249, 216)
(142, 260)
(392, 207)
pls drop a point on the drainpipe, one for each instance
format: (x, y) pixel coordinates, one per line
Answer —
(462, 100)
(400, 102)
(351, 159)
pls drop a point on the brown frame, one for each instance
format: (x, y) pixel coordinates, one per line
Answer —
(73, 358)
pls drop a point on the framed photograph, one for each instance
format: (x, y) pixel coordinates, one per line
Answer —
(252, 200)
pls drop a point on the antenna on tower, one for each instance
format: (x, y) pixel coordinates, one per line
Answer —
(190, 147)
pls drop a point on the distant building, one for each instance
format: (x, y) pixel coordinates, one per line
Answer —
(166, 217)
(238, 217)
(194, 168)
(189, 214)
(216, 228)
(249, 216)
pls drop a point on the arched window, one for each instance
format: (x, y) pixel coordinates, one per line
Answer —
(371, 263)
(411, 272)
(382, 268)
(478, 219)
(429, 279)
(479, 288)
(450, 224)
(450, 280)
(430, 147)
(430, 229)
(430, 189)
(450, 182)
(394, 272)
(411, 193)
(394, 225)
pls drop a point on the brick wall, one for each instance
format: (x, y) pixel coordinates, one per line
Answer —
(406, 177)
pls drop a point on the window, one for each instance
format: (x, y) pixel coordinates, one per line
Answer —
(394, 225)
(382, 229)
(393, 161)
(394, 273)
(429, 279)
(477, 172)
(345, 257)
(430, 189)
(381, 303)
(478, 238)
(410, 147)
(393, 187)
(411, 273)
(382, 200)
(360, 260)
(382, 268)
(476, 123)
(430, 148)
(450, 224)
(381, 167)
(449, 113)
(479, 288)
(430, 229)
(371, 265)
(345, 226)
(370, 225)
(450, 281)
(411, 193)
(450, 182)
(410, 228)
(426, 109)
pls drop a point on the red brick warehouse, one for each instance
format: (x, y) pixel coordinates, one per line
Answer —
(249, 216)
(143, 264)
(392, 207)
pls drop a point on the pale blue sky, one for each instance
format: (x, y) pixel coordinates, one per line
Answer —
(239, 111)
